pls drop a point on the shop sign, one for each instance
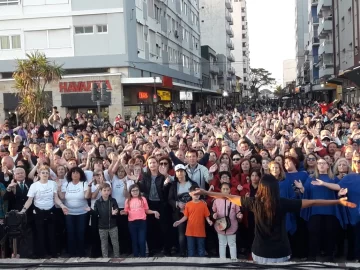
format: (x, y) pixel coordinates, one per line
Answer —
(81, 86)
(143, 95)
(164, 95)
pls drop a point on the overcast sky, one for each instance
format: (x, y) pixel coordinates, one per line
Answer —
(272, 34)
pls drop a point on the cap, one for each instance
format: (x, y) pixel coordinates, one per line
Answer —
(219, 136)
(180, 167)
(165, 125)
(325, 137)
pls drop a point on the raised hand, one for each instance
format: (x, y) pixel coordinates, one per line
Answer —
(239, 187)
(213, 168)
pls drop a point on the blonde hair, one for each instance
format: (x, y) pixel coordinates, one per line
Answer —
(353, 165)
(329, 172)
(282, 172)
(336, 170)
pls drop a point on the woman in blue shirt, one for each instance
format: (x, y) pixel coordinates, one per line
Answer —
(349, 185)
(323, 222)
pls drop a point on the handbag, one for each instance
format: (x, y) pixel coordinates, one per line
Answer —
(224, 223)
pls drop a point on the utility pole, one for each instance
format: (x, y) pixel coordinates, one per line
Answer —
(98, 95)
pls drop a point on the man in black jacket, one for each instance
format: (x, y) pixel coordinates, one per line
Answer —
(106, 208)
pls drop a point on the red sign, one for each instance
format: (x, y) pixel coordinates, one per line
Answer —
(78, 87)
(143, 95)
(167, 82)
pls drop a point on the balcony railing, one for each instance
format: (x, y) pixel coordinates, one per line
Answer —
(214, 69)
(229, 5)
(323, 5)
(231, 57)
(325, 27)
(230, 32)
(326, 47)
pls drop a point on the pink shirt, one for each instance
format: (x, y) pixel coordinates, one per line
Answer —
(219, 208)
(137, 209)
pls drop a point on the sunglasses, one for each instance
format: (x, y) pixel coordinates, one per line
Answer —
(164, 163)
(236, 159)
(357, 161)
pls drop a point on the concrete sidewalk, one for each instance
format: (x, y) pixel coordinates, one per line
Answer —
(172, 263)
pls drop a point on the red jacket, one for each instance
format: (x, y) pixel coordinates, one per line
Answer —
(325, 107)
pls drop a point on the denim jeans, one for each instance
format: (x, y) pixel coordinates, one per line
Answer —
(75, 227)
(137, 230)
(199, 242)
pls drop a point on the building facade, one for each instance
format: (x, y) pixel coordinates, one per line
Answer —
(241, 41)
(301, 36)
(216, 31)
(142, 48)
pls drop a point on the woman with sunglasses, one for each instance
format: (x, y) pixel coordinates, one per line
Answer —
(236, 159)
(310, 164)
(323, 222)
(44, 195)
(349, 186)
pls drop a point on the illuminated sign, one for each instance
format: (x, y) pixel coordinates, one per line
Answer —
(164, 95)
(143, 95)
(81, 86)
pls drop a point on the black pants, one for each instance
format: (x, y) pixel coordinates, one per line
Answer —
(95, 243)
(299, 240)
(322, 229)
(157, 229)
(353, 242)
(45, 232)
(60, 230)
(124, 234)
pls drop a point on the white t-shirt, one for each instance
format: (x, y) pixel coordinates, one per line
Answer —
(93, 188)
(118, 190)
(75, 197)
(43, 194)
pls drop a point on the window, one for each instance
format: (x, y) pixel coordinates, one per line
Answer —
(349, 15)
(5, 42)
(152, 42)
(8, 2)
(102, 28)
(84, 29)
(59, 38)
(185, 9)
(140, 36)
(16, 42)
(157, 13)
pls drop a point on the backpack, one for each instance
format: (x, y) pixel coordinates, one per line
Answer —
(224, 223)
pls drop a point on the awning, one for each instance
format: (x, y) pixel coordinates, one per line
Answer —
(352, 75)
(158, 82)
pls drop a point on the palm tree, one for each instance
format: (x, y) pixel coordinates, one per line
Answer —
(279, 91)
(31, 77)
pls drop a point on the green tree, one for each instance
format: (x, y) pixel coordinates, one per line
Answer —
(258, 78)
(31, 77)
(279, 91)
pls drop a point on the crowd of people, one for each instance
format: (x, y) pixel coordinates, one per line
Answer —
(81, 180)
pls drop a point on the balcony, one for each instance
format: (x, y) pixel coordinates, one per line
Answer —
(214, 69)
(228, 16)
(231, 57)
(229, 31)
(229, 5)
(323, 5)
(314, 3)
(326, 47)
(229, 43)
(231, 71)
(325, 27)
(315, 41)
(325, 72)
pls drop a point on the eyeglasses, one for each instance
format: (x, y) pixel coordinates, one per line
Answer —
(236, 159)
(44, 172)
(323, 163)
(253, 161)
(164, 163)
(357, 161)
(311, 159)
(134, 190)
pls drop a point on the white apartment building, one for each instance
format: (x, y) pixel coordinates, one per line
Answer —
(241, 41)
(289, 71)
(216, 22)
(135, 46)
(302, 37)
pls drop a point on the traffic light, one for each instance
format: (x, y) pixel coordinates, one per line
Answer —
(94, 91)
(103, 90)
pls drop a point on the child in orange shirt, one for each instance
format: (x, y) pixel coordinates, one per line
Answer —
(195, 213)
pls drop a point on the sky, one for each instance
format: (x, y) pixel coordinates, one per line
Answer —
(271, 34)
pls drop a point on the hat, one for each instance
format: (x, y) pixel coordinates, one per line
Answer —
(180, 167)
(325, 137)
(219, 136)
(165, 125)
